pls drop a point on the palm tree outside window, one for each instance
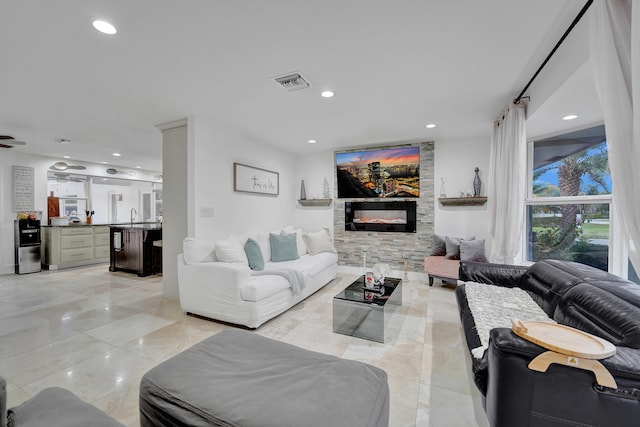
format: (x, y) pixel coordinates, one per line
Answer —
(568, 208)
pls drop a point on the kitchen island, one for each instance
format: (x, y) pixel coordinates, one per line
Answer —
(65, 246)
(131, 248)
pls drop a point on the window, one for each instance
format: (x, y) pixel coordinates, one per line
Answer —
(568, 208)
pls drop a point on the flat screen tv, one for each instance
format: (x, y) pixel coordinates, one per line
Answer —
(379, 173)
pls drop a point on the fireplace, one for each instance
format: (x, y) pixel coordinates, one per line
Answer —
(399, 217)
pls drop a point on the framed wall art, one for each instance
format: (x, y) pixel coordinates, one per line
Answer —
(250, 179)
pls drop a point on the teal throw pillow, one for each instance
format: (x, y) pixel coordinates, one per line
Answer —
(254, 255)
(283, 247)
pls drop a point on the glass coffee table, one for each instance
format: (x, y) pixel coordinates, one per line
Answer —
(362, 312)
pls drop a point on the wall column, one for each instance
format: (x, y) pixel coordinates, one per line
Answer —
(175, 201)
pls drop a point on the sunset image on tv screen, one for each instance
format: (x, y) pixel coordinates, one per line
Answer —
(383, 173)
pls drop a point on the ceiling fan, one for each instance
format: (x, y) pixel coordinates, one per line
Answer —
(7, 141)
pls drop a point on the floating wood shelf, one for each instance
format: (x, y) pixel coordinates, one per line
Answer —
(315, 202)
(462, 201)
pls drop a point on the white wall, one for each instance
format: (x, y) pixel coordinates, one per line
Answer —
(215, 149)
(175, 201)
(314, 169)
(455, 161)
(569, 57)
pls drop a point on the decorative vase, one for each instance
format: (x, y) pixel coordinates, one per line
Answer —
(443, 192)
(477, 184)
(303, 192)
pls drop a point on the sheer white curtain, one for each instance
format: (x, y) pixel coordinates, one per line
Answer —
(507, 184)
(615, 55)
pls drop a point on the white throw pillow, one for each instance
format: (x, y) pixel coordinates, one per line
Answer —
(198, 250)
(265, 245)
(231, 250)
(288, 229)
(318, 242)
(302, 247)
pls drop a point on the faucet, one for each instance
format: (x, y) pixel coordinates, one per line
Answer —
(134, 213)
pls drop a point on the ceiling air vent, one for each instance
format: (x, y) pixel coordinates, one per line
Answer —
(292, 81)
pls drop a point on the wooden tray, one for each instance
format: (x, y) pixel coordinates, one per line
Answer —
(563, 339)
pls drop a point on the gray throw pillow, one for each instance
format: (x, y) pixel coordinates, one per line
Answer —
(254, 255)
(472, 250)
(453, 248)
(283, 247)
(439, 245)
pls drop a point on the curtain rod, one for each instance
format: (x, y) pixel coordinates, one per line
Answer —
(564, 36)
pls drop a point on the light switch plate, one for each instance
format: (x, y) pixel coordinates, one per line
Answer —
(206, 212)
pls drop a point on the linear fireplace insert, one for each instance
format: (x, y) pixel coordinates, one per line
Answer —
(399, 217)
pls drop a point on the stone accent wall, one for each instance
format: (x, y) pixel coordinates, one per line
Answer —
(390, 247)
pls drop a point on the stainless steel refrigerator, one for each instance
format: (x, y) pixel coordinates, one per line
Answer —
(27, 245)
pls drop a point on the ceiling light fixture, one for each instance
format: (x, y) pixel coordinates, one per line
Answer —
(327, 94)
(104, 163)
(117, 154)
(104, 27)
(570, 117)
(138, 167)
(312, 141)
(430, 126)
(66, 157)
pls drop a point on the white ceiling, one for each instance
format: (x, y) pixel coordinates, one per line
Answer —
(394, 66)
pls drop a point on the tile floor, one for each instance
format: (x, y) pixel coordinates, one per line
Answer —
(96, 333)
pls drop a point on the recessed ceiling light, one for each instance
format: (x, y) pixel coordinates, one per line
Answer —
(117, 154)
(104, 163)
(570, 117)
(312, 141)
(138, 167)
(327, 94)
(430, 126)
(104, 27)
(67, 157)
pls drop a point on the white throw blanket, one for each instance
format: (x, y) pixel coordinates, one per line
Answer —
(494, 307)
(297, 279)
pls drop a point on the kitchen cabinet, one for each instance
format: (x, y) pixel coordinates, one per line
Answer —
(131, 248)
(74, 245)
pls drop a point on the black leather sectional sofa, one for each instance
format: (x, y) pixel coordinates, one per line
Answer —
(575, 295)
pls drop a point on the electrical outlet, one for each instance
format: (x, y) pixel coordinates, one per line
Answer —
(405, 255)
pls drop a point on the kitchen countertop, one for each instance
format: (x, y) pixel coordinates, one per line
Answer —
(146, 225)
(143, 225)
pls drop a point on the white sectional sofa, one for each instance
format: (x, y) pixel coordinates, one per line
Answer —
(215, 279)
